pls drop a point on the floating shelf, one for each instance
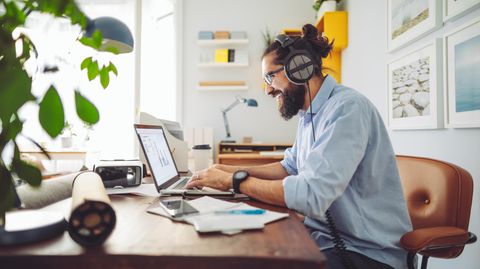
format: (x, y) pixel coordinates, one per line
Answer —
(223, 65)
(215, 42)
(222, 88)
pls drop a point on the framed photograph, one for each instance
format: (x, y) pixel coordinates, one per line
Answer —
(408, 20)
(462, 68)
(453, 9)
(414, 89)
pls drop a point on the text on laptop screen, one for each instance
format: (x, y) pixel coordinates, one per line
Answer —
(158, 155)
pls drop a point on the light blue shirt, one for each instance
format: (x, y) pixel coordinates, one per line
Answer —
(351, 170)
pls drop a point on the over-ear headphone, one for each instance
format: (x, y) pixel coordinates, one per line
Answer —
(299, 64)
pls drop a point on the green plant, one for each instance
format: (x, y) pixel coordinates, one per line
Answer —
(318, 3)
(268, 37)
(68, 130)
(16, 91)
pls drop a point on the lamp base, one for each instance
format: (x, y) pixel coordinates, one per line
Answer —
(28, 226)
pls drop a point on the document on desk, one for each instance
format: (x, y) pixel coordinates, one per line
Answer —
(220, 216)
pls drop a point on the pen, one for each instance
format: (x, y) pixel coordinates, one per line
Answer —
(242, 211)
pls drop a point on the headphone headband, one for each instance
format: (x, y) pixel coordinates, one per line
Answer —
(284, 40)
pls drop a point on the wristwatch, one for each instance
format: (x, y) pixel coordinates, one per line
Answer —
(237, 178)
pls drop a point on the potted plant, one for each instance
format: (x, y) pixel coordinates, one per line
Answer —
(268, 37)
(67, 135)
(322, 6)
(88, 128)
(16, 89)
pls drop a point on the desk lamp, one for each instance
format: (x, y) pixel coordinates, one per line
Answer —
(114, 32)
(239, 100)
(22, 227)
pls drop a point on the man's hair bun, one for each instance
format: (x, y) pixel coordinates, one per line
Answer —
(319, 43)
(309, 32)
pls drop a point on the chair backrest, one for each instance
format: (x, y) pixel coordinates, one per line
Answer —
(437, 193)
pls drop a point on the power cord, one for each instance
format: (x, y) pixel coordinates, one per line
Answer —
(338, 243)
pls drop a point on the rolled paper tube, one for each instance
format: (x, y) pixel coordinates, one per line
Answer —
(92, 218)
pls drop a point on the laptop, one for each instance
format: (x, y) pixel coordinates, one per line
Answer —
(164, 171)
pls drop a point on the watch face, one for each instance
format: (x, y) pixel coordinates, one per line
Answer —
(241, 174)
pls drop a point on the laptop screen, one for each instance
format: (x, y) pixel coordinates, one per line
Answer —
(157, 152)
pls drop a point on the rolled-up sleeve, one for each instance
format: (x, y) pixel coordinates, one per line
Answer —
(339, 148)
(289, 161)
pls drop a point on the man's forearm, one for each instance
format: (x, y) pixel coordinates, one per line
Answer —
(268, 191)
(272, 171)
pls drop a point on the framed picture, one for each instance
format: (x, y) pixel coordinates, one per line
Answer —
(455, 8)
(408, 20)
(414, 89)
(462, 68)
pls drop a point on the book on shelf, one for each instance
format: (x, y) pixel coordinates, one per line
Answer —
(231, 55)
(221, 35)
(221, 55)
(205, 35)
(238, 35)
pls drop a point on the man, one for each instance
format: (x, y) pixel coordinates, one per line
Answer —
(341, 166)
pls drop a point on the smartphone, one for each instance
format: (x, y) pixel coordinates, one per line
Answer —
(177, 208)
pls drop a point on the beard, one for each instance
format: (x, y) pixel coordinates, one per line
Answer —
(292, 100)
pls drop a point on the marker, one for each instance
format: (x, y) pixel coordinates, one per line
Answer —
(242, 212)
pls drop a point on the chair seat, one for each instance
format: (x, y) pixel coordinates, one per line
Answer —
(433, 238)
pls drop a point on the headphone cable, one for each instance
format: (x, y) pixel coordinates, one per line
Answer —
(339, 244)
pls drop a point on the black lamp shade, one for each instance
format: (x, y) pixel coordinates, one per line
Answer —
(114, 32)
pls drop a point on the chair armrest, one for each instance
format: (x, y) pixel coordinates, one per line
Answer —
(434, 238)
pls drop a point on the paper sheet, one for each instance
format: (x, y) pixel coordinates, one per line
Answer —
(208, 221)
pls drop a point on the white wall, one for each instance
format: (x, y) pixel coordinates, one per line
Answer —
(203, 108)
(364, 68)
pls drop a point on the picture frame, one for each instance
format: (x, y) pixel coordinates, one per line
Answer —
(462, 70)
(453, 9)
(408, 20)
(415, 99)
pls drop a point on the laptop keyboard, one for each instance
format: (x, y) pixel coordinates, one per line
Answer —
(182, 184)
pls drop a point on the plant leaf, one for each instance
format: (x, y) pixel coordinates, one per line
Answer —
(97, 38)
(6, 190)
(112, 50)
(51, 114)
(15, 90)
(86, 111)
(27, 172)
(85, 63)
(87, 41)
(104, 77)
(112, 68)
(92, 70)
(13, 129)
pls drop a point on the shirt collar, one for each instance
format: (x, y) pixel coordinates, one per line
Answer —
(322, 96)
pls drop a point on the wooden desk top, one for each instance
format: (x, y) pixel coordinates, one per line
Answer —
(143, 240)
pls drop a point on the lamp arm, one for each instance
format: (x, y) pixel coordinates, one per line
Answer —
(231, 106)
(225, 122)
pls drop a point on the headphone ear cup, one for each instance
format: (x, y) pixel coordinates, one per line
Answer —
(299, 68)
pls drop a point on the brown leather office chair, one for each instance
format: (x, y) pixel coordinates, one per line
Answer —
(439, 198)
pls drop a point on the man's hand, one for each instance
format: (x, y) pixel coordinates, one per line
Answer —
(213, 178)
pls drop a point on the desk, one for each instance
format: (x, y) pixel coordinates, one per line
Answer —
(143, 240)
(60, 154)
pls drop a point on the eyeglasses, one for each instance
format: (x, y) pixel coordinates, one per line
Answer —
(268, 77)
